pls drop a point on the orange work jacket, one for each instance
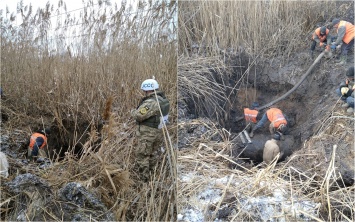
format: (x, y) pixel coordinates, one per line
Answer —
(321, 38)
(250, 115)
(276, 117)
(349, 31)
(34, 137)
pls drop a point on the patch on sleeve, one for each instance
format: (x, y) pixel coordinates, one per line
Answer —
(143, 110)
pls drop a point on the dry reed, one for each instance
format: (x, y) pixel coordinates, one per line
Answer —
(86, 69)
(211, 34)
(205, 165)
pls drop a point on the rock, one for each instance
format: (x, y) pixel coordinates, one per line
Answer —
(35, 201)
(77, 194)
(29, 183)
(33, 196)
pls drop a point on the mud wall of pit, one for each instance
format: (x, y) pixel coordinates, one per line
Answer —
(264, 82)
(71, 137)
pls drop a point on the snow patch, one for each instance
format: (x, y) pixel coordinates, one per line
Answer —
(276, 206)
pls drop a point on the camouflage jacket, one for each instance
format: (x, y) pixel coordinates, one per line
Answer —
(147, 112)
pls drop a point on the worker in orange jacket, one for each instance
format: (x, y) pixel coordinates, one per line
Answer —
(37, 144)
(251, 116)
(320, 36)
(278, 122)
(346, 33)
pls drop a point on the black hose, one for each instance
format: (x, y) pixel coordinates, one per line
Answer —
(291, 90)
(295, 86)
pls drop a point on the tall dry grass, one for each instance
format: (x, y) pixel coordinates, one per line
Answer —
(87, 68)
(247, 34)
(260, 27)
(240, 36)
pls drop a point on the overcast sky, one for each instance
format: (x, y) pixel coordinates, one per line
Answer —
(71, 4)
(74, 7)
(12, 4)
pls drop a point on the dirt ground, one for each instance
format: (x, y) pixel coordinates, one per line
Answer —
(312, 108)
(321, 131)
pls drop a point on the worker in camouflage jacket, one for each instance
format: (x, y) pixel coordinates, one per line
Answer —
(150, 122)
(346, 90)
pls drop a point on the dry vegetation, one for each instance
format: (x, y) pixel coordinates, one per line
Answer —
(86, 68)
(309, 177)
(211, 34)
(226, 30)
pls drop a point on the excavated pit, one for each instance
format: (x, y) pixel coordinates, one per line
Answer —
(262, 84)
(70, 138)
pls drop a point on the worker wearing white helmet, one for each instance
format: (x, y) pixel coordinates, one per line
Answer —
(150, 122)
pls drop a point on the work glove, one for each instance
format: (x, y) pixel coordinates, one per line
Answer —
(251, 134)
(338, 47)
(345, 91)
(333, 46)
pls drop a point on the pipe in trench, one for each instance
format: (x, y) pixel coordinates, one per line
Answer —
(291, 90)
(295, 86)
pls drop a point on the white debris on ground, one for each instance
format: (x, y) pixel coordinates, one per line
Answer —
(277, 205)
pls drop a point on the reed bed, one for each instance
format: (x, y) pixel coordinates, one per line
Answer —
(271, 27)
(199, 81)
(86, 69)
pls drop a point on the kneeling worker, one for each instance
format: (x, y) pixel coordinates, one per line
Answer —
(37, 144)
(320, 36)
(346, 90)
(250, 116)
(277, 119)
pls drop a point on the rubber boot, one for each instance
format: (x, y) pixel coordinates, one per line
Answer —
(311, 54)
(343, 59)
(345, 105)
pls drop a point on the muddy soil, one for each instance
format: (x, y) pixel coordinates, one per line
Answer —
(306, 108)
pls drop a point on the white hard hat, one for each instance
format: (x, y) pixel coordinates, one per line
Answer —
(149, 84)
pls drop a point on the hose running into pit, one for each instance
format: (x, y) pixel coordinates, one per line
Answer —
(291, 90)
(295, 86)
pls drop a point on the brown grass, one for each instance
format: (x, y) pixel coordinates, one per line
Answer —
(205, 161)
(272, 27)
(211, 35)
(93, 75)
